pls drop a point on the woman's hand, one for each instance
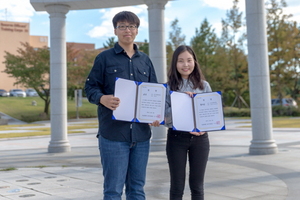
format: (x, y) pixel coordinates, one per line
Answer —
(155, 123)
(191, 94)
(198, 133)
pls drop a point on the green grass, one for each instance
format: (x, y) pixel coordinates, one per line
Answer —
(285, 122)
(279, 122)
(39, 131)
(21, 108)
(29, 134)
(39, 166)
(8, 169)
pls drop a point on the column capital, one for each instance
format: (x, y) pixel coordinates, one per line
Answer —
(156, 3)
(57, 8)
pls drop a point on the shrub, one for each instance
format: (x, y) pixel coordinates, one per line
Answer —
(235, 112)
(33, 118)
(285, 111)
(277, 111)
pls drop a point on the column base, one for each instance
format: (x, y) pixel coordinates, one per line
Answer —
(59, 147)
(263, 147)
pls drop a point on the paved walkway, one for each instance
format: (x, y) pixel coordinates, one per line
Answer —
(232, 173)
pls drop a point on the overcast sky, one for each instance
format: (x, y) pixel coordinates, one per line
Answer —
(94, 26)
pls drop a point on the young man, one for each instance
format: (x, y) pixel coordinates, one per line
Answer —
(124, 146)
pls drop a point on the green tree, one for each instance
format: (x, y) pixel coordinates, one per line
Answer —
(175, 35)
(176, 39)
(31, 68)
(109, 43)
(205, 44)
(233, 40)
(144, 47)
(283, 44)
(79, 63)
(293, 61)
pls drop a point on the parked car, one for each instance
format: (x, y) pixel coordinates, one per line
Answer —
(285, 102)
(4, 93)
(17, 93)
(31, 92)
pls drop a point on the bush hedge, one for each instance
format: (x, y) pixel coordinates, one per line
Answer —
(277, 111)
(285, 111)
(235, 112)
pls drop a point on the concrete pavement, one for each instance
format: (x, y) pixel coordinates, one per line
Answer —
(232, 173)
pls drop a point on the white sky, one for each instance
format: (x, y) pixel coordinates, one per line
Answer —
(94, 26)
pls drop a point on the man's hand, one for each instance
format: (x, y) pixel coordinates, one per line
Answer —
(110, 102)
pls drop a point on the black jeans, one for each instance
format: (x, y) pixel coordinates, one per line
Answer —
(180, 146)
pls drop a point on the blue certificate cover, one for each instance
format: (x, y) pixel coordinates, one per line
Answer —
(202, 112)
(141, 102)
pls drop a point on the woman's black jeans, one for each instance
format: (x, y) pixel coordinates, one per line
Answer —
(180, 146)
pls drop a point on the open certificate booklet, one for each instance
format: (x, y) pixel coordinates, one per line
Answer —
(140, 101)
(202, 112)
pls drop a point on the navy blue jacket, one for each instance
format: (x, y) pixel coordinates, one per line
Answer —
(108, 65)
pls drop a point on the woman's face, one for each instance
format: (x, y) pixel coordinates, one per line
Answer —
(185, 64)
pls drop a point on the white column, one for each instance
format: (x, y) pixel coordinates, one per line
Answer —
(58, 79)
(258, 66)
(157, 51)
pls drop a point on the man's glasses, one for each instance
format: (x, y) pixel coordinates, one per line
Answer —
(123, 27)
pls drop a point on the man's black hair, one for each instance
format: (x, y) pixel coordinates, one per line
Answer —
(126, 16)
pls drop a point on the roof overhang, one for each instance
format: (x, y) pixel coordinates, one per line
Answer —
(39, 5)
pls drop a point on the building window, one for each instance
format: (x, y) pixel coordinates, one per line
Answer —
(43, 39)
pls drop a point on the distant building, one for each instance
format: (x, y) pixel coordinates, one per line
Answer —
(11, 36)
(81, 46)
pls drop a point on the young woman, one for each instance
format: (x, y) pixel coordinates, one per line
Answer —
(185, 75)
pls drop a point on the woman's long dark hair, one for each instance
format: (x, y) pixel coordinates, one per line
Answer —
(174, 77)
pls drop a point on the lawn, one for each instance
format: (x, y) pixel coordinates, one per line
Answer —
(39, 129)
(22, 108)
(279, 122)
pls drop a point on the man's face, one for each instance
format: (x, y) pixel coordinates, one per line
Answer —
(126, 32)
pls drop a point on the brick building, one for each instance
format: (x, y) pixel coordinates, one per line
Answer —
(11, 36)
